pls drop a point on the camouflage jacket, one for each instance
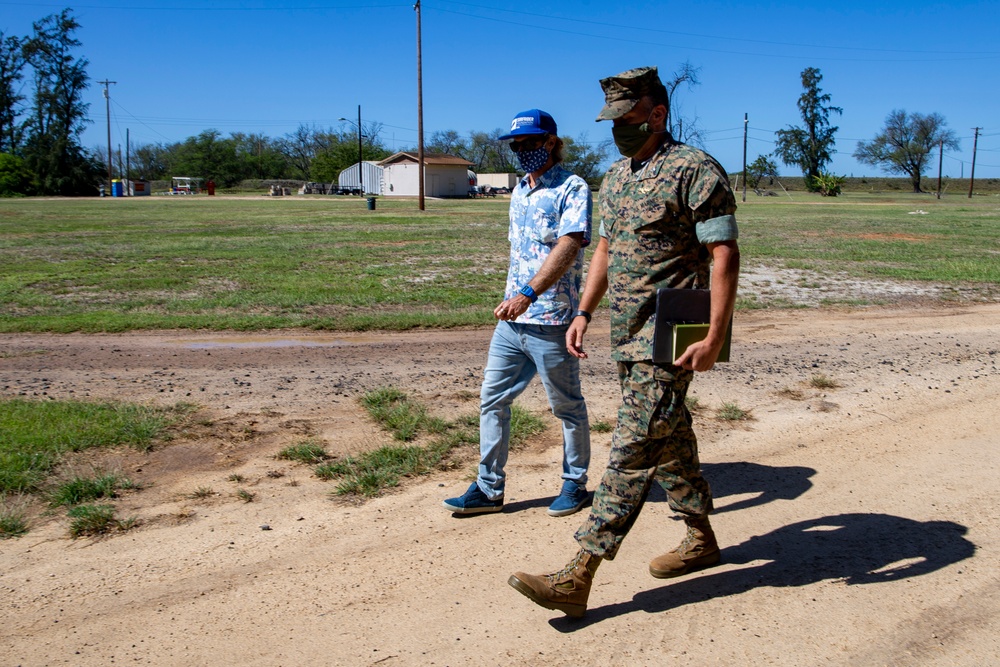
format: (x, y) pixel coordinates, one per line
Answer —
(658, 221)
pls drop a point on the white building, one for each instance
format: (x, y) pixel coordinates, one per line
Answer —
(372, 177)
(498, 180)
(444, 175)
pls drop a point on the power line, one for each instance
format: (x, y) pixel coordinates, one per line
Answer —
(192, 8)
(811, 46)
(811, 54)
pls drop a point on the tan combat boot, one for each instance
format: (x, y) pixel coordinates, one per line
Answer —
(697, 551)
(566, 590)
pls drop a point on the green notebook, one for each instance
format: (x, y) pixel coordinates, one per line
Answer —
(689, 308)
(685, 334)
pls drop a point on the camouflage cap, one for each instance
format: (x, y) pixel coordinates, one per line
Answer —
(622, 91)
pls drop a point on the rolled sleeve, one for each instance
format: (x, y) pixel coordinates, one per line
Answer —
(716, 230)
(577, 210)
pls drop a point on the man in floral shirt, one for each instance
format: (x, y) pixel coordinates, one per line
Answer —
(550, 212)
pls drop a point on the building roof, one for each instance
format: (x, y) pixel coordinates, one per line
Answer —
(429, 158)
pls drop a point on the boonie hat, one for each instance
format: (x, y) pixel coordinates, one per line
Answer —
(532, 121)
(623, 91)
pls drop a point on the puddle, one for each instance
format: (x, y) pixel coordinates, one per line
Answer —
(270, 341)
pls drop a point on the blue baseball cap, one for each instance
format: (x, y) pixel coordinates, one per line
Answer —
(532, 121)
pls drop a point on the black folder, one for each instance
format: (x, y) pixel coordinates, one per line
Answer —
(682, 306)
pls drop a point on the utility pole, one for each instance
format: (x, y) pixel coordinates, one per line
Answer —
(745, 121)
(107, 108)
(361, 161)
(940, 158)
(128, 167)
(420, 112)
(972, 172)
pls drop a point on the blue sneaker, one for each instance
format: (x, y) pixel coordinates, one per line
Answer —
(473, 501)
(570, 500)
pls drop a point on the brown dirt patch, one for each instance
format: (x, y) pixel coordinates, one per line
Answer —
(859, 523)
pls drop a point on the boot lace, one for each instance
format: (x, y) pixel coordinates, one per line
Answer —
(690, 540)
(566, 571)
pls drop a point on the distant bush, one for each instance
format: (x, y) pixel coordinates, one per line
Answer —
(15, 177)
(827, 184)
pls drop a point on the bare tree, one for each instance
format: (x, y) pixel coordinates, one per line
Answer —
(450, 142)
(683, 128)
(905, 143)
(488, 154)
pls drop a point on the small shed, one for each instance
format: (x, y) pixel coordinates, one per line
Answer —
(372, 173)
(445, 175)
(499, 180)
(138, 188)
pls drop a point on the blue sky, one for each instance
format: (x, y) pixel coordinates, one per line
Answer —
(270, 65)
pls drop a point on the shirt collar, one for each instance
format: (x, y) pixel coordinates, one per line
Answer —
(546, 179)
(655, 162)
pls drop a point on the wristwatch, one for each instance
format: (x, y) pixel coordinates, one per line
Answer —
(582, 313)
(529, 292)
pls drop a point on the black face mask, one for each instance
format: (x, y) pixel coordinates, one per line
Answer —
(631, 138)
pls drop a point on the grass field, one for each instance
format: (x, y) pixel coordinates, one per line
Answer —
(34, 434)
(328, 263)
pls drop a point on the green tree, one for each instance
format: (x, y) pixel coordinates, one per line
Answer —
(761, 168)
(260, 156)
(15, 179)
(12, 62)
(585, 160)
(58, 113)
(150, 162)
(329, 162)
(209, 156)
(810, 147)
(341, 152)
(905, 143)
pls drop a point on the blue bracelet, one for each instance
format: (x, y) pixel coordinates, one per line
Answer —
(529, 292)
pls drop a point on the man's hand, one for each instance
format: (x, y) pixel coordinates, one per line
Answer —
(512, 308)
(574, 337)
(700, 356)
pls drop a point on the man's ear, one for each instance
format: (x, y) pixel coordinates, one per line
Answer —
(658, 116)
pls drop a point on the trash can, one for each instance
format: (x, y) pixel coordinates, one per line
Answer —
(371, 203)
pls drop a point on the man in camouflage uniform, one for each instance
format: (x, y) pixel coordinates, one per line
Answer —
(667, 220)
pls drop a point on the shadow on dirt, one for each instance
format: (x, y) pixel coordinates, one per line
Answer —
(740, 478)
(855, 548)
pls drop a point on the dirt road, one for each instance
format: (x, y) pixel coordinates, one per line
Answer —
(860, 523)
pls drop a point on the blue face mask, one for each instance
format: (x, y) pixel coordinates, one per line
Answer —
(532, 160)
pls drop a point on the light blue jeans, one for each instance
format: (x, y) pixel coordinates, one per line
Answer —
(517, 353)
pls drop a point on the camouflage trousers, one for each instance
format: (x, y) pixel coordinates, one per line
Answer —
(652, 441)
